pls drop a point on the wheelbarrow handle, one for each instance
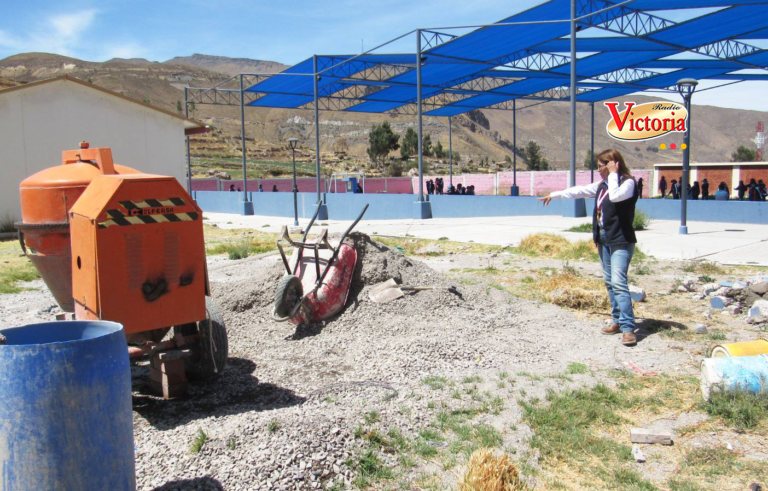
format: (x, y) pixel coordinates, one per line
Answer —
(341, 241)
(416, 288)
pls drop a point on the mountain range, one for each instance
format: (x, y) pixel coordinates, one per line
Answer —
(482, 135)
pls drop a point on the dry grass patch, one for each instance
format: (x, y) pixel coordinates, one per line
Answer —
(412, 247)
(557, 247)
(237, 243)
(489, 470)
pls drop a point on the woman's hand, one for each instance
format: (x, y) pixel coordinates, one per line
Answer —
(545, 199)
(613, 167)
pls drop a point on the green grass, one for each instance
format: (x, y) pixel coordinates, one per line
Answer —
(7, 223)
(741, 410)
(273, 426)
(642, 221)
(584, 227)
(576, 368)
(372, 417)
(198, 441)
(370, 469)
(472, 380)
(237, 243)
(435, 383)
(14, 267)
(710, 461)
(702, 267)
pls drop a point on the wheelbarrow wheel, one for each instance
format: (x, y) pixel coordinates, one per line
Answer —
(287, 295)
(210, 355)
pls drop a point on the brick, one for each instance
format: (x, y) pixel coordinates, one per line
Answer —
(642, 435)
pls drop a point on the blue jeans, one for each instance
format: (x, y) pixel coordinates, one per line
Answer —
(615, 262)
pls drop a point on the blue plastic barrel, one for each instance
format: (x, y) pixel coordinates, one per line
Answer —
(743, 373)
(66, 421)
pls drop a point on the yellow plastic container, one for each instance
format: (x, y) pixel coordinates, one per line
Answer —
(746, 348)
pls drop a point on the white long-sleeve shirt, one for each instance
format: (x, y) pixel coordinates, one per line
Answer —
(616, 192)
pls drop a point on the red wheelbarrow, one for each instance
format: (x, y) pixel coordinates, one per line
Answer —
(321, 268)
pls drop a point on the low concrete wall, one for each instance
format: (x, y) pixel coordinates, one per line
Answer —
(344, 206)
(707, 211)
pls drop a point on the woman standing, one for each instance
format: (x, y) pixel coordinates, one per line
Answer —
(615, 197)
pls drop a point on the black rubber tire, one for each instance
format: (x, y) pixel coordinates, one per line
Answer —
(287, 295)
(210, 356)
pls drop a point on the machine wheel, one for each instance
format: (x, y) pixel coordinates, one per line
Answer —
(287, 295)
(210, 356)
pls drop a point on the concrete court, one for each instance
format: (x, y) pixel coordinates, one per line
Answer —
(725, 243)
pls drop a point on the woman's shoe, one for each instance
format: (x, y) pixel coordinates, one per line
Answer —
(628, 339)
(612, 329)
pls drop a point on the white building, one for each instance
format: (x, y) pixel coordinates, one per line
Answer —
(39, 120)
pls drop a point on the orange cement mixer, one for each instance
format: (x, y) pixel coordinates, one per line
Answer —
(46, 199)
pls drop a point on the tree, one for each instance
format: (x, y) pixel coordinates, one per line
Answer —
(381, 141)
(178, 106)
(410, 142)
(192, 108)
(533, 157)
(588, 160)
(439, 150)
(456, 157)
(426, 146)
(743, 154)
(507, 160)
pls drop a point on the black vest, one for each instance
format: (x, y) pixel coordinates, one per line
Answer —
(617, 219)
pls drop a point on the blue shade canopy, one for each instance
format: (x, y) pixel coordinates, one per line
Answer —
(621, 49)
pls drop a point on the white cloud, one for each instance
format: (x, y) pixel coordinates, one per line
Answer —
(59, 34)
(70, 26)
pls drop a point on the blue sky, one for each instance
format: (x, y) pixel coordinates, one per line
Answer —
(282, 31)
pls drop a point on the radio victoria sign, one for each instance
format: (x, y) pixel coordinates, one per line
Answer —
(645, 121)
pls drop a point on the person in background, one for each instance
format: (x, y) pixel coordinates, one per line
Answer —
(640, 188)
(430, 187)
(238, 189)
(722, 192)
(459, 189)
(741, 189)
(752, 192)
(440, 185)
(261, 189)
(471, 190)
(451, 190)
(674, 190)
(695, 190)
(705, 189)
(274, 188)
(663, 187)
(612, 231)
(359, 189)
(762, 192)
(232, 188)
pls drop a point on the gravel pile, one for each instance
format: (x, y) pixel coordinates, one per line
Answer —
(283, 414)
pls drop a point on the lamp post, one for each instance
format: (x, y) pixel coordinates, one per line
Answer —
(292, 142)
(686, 87)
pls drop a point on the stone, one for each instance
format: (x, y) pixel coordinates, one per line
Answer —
(739, 285)
(709, 288)
(708, 315)
(757, 319)
(642, 435)
(638, 454)
(723, 291)
(760, 288)
(636, 293)
(700, 329)
(729, 284)
(719, 302)
(682, 289)
(698, 296)
(760, 307)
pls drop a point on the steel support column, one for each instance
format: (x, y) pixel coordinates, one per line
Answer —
(514, 190)
(247, 208)
(418, 110)
(189, 156)
(686, 172)
(579, 207)
(592, 144)
(450, 153)
(323, 214)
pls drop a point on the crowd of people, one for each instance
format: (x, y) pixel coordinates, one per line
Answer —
(754, 191)
(438, 187)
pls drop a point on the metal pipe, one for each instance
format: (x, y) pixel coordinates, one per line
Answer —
(317, 127)
(450, 153)
(572, 179)
(686, 171)
(514, 142)
(242, 139)
(189, 156)
(592, 145)
(418, 105)
(295, 190)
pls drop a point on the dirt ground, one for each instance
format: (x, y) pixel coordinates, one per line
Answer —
(397, 396)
